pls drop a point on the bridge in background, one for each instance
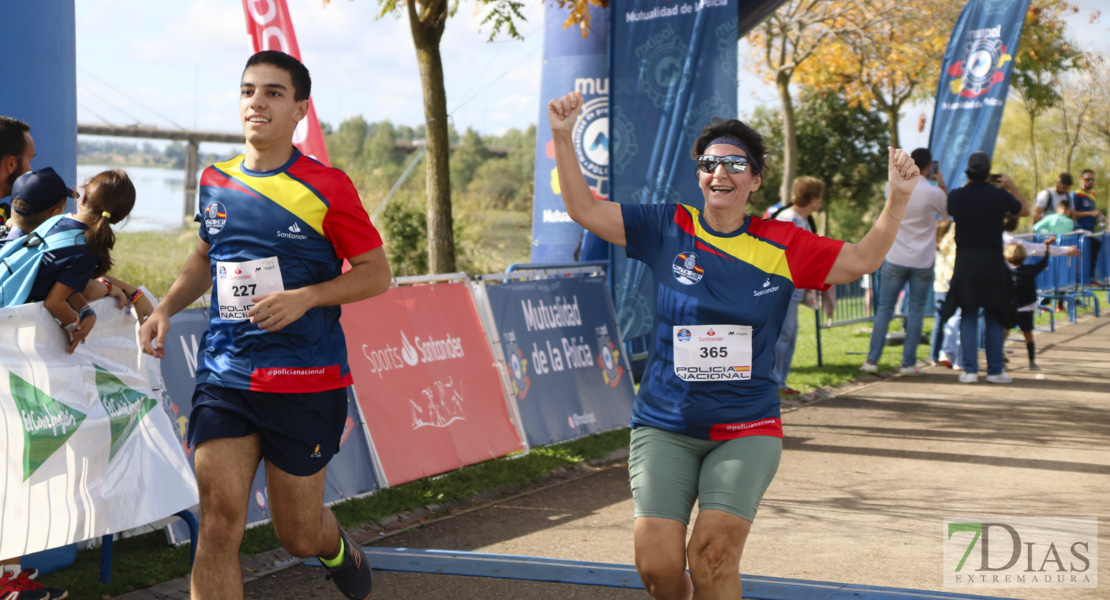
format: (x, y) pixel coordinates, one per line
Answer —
(193, 139)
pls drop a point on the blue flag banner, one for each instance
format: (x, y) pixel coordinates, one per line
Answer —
(567, 369)
(673, 66)
(974, 81)
(571, 62)
(350, 472)
(40, 79)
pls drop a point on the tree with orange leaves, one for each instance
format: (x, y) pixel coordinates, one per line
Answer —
(890, 62)
(792, 36)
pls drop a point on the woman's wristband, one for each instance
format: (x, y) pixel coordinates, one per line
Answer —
(135, 296)
(894, 215)
(86, 311)
(107, 283)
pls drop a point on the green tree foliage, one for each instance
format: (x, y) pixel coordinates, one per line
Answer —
(407, 232)
(491, 190)
(842, 148)
(1044, 54)
(467, 156)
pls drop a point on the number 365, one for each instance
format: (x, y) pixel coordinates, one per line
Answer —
(714, 352)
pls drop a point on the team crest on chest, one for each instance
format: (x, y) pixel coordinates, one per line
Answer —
(215, 217)
(686, 269)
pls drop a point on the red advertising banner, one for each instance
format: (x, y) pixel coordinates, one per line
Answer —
(271, 28)
(426, 381)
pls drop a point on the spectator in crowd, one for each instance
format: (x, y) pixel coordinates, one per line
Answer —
(945, 350)
(1086, 213)
(706, 421)
(126, 295)
(1025, 288)
(910, 262)
(38, 197)
(1050, 198)
(1084, 207)
(981, 279)
(17, 148)
(1058, 222)
(805, 200)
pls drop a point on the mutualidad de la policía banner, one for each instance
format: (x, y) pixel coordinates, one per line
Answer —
(974, 82)
(567, 369)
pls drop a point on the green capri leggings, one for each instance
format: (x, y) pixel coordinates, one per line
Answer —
(669, 470)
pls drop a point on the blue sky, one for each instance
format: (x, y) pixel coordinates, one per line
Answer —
(138, 59)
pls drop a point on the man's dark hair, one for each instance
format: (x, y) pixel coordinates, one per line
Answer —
(1064, 203)
(718, 128)
(302, 83)
(1085, 171)
(1065, 178)
(922, 158)
(13, 141)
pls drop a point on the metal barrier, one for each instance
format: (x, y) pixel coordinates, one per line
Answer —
(1068, 279)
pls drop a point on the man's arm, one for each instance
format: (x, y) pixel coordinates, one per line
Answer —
(195, 279)
(369, 276)
(1040, 202)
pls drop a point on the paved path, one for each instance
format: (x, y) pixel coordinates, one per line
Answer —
(867, 478)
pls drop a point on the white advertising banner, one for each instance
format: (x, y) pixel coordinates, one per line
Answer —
(87, 446)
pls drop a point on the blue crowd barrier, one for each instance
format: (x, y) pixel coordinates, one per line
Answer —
(1071, 280)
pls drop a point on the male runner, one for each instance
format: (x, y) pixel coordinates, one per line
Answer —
(272, 372)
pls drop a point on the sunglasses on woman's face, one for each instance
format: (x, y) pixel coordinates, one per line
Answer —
(733, 164)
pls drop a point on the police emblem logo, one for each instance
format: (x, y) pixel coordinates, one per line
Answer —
(215, 217)
(686, 269)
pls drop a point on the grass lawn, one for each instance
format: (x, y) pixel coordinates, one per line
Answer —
(152, 258)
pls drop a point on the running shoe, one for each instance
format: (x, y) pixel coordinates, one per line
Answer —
(11, 588)
(869, 367)
(353, 576)
(969, 378)
(909, 371)
(785, 391)
(1033, 366)
(30, 587)
(1000, 378)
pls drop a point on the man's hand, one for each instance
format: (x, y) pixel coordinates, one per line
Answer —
(154, 329)
(563, 112)
(903, 172)
(272, 312)
(1049, 241)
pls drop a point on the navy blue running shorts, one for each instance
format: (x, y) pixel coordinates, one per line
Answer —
(300, 432)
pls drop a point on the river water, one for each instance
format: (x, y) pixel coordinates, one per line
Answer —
(159, 197)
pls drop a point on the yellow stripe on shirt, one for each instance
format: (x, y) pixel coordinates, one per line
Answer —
(761, 254)
(283, 190)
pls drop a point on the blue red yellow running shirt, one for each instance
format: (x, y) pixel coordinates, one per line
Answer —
(300, 220)
(709, 287)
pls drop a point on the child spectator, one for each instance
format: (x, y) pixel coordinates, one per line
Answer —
(109, 198)
(1056, 223)
(1025, 286)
